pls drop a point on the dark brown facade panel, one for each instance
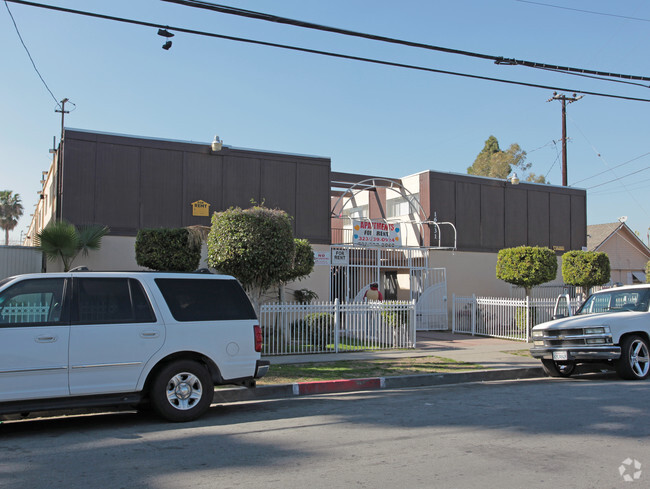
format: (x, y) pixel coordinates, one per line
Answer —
(78, 175)
(468, 215)
(538, 219)
(492, 217)
(117, 192)
(578, 222)
(202, 180)
(241, 183)
(312, 204)
(278, 181)
(161, 188)
(442, 198)
(516, 217)
(129, 183)
(560, 222)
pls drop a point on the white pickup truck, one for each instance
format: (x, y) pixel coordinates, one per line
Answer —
(612, 327)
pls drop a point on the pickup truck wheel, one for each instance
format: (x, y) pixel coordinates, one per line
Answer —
(554, 369)
(182, 391)
(634, 363)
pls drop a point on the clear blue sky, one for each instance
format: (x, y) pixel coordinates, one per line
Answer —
(367, 118)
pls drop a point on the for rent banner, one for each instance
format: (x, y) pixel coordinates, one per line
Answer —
(376, 234)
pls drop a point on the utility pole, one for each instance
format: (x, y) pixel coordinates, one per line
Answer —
(564, 99)
(63, 112)
(59, 164)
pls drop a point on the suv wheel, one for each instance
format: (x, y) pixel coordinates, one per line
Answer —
(554, 369)
(634, 363)
(182, 391)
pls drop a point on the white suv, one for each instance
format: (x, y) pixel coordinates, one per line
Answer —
(85, 339)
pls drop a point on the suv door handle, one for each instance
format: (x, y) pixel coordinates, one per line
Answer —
(150, 334)
(45, 339)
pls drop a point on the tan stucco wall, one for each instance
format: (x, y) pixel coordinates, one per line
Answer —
(475, 273)
(117, 253)
(625, 256)
(467, 273)
(318, 281)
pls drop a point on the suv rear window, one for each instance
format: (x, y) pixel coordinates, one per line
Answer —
(205, 300)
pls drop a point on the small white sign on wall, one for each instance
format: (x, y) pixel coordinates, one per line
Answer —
(340, 257)
(321, 258)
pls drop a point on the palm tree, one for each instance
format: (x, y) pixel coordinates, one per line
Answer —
(11, 208)
(63, 240)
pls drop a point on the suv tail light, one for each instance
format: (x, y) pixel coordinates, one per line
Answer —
(258, 337)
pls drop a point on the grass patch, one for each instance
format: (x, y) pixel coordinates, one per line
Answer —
(519, 353)
(358, 369)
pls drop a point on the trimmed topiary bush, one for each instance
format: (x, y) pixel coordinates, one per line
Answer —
(526, 266)
(585, 268)
(255, 245)
(167, 250)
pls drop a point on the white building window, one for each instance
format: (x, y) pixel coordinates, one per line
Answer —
(356, 212)
(400, 206)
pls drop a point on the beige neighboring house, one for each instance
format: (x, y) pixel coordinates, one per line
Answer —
(628, 255)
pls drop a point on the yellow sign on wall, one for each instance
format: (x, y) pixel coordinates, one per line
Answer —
(200, 208)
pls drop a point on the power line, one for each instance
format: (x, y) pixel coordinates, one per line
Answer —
(583, 11)
(322, 53)
(28, 53)
(613, 168)
(638, 185)
(500, 60)
(593, 77)
(630, 194)
(619, 178)
(557, 158)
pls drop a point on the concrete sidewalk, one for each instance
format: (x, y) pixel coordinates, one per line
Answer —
(502, 359)
(489, 352)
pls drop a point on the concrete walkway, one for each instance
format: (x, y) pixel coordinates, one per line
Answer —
(501, 359)
(489, 352)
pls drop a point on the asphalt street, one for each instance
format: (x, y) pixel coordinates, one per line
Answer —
(509, 434)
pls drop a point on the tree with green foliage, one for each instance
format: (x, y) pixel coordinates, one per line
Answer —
(254, 245)
(172, 250)
(63, 240)
(302, 265)
(303, 261)
(526, 266)
(585, 268)
(496, 163)
(11, 208)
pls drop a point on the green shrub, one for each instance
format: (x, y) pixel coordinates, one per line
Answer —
(316, 328)
(585, 268)
(395, 318)
(520, 317)
(167, 250)
(305, 296)
(526, 266)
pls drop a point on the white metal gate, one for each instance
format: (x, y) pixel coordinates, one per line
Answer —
(430, 294)
(353, 269)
